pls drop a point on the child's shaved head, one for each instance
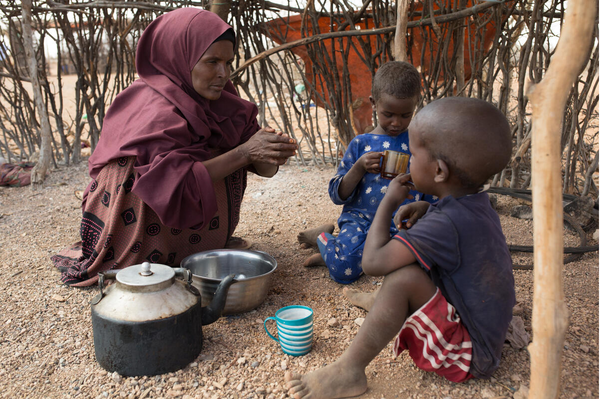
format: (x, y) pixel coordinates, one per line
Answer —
(471, 136)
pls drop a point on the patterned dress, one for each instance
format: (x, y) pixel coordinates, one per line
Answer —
(118, 229)
(343, 254)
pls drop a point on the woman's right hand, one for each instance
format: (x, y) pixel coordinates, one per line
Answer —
(413, 212)
(268, 147)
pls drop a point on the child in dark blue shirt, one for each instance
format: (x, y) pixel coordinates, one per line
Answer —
(358, 184)
(448, 291)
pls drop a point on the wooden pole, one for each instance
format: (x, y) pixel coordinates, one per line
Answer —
(401, 28)
(38, 173)
(548, 99)
(221, 8)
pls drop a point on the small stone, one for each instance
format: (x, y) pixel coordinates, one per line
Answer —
(116, 377)
(254, 364)
(284, 365)
(333, 322)
(359, 321)
(522, 212)
(241, 361)
(515, 378)
(261, 391)
(595, 236)
(585, 348)
(194, 364)
(518, 310)
(326, 334)
(58, 298)
(522, 393)
(223, 381)
(217, 385)
(240, 386)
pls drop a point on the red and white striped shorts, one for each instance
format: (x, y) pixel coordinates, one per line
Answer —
(437, 340)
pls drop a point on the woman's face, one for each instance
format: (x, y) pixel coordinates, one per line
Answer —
(211, 72)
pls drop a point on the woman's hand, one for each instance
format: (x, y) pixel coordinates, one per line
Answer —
(268, 147)
(413, 212)
(370, 162)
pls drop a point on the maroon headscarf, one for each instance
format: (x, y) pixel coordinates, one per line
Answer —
(168, 126)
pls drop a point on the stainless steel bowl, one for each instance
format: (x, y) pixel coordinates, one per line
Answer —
(252, 269)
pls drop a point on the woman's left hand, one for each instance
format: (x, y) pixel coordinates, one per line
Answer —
(268, 147)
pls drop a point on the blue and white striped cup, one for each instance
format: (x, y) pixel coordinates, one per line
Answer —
(294, 329)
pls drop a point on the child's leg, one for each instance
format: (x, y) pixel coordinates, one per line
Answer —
(318, 259)
(342, 255)
(402, 293)
(308, 238)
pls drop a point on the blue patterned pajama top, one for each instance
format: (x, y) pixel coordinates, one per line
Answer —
(343, 254)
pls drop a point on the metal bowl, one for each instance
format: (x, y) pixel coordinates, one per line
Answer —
(252, 271)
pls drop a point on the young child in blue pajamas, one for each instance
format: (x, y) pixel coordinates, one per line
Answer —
(357, 184)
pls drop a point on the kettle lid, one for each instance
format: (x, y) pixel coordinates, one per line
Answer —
(145, 275)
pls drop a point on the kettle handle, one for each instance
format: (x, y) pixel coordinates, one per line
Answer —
(109, 274)
(186, 274)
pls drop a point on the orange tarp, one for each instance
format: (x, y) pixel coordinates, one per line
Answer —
(287, 29)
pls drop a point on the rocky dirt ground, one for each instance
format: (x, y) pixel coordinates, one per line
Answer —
(46, 340)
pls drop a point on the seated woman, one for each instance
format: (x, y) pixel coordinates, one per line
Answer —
(169, 171)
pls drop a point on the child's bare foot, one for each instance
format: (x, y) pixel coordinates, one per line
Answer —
(361, 299)
(309, 237)
(314, 260)
(333, 381)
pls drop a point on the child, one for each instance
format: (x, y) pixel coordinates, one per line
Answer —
(358, 185)
(448, 290)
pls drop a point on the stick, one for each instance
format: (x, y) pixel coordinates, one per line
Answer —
(548, 99)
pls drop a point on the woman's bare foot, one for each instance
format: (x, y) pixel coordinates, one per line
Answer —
(361, 299)
(309, 237)
(333, 381)
(314, 260)
(238, 243)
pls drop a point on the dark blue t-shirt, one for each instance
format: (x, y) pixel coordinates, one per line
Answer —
(459, 242)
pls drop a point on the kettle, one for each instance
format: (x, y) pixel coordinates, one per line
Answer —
(150, 322)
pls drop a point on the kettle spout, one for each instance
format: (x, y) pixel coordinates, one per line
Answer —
(212, 312)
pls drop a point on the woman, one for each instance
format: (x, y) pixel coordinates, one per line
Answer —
(169, 171)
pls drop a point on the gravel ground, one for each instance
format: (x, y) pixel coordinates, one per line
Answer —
(46, 339)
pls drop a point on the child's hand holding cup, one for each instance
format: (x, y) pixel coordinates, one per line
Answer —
(399, 189)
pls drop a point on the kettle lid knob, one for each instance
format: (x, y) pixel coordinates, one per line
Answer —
(146, 269)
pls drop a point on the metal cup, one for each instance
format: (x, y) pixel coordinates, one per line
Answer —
(393, 163)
